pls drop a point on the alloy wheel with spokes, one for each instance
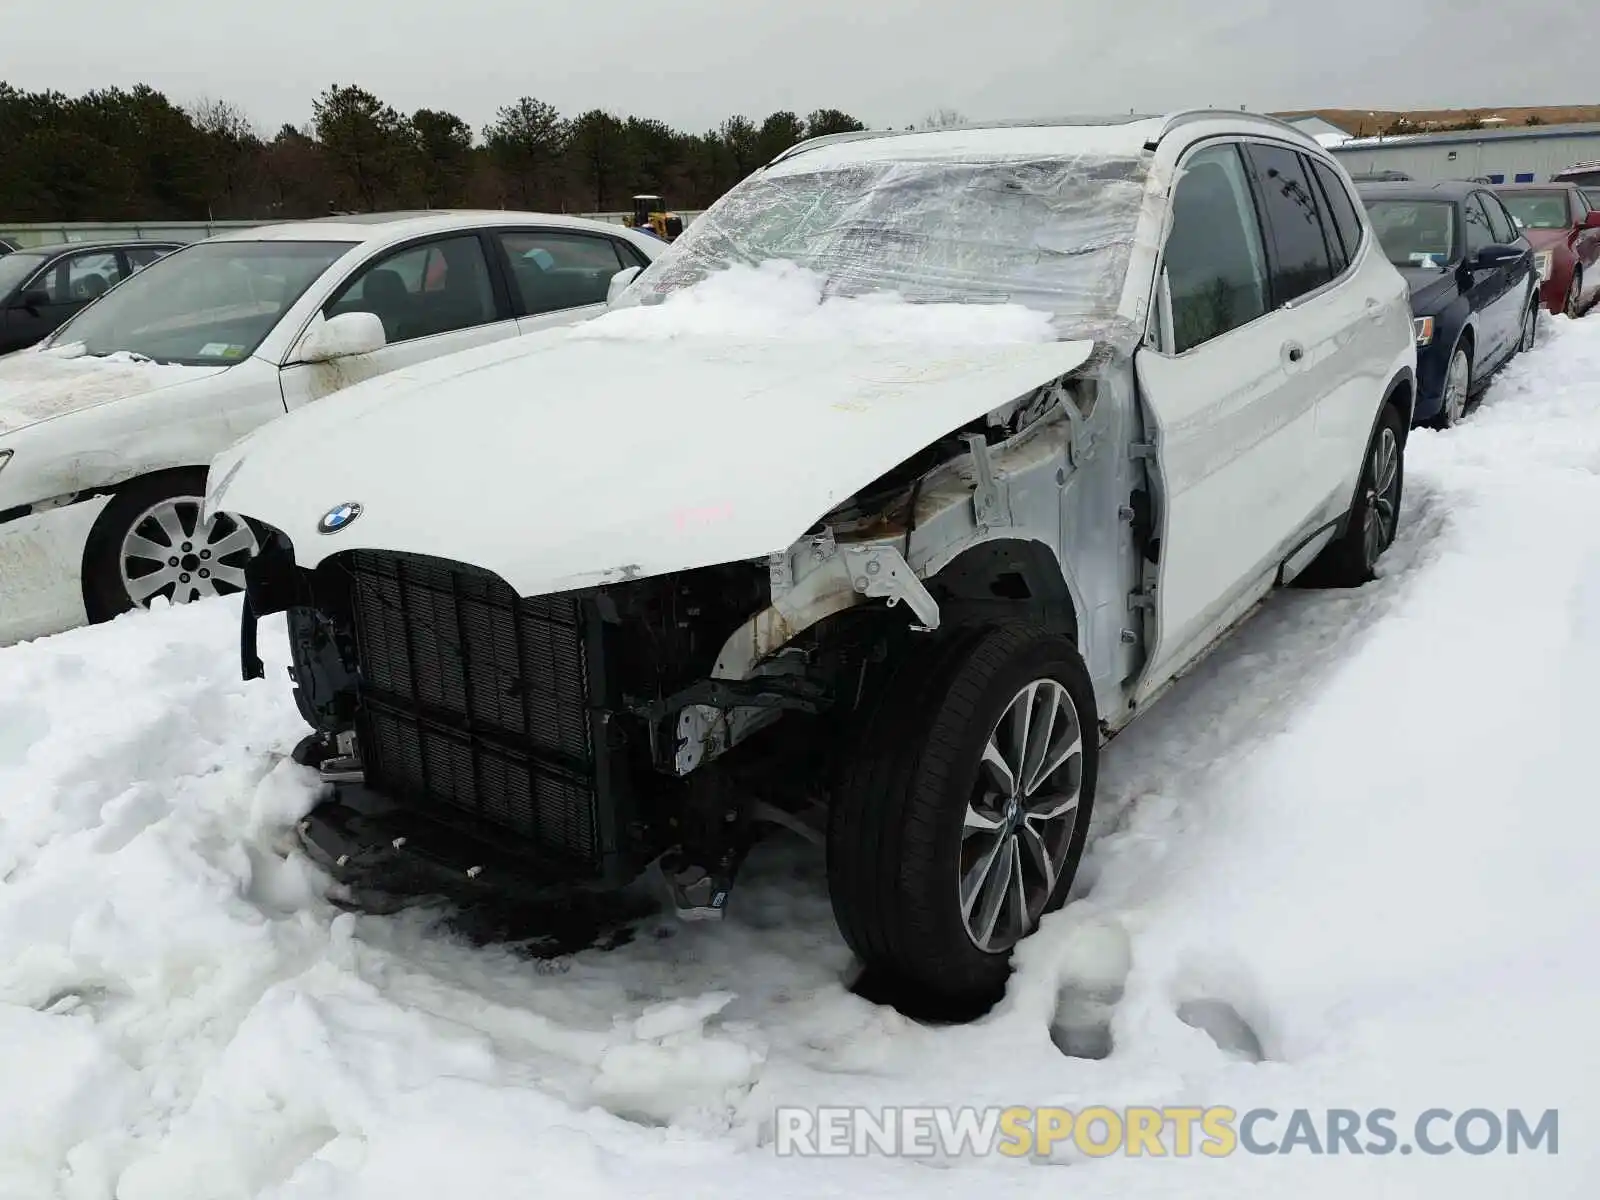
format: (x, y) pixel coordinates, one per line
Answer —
(964, 810)
(170, 550)
(1457, 386)
(1021, 817)
(1383, 495)
(151, 541)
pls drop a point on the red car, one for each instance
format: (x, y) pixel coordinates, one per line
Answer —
(1565, 232)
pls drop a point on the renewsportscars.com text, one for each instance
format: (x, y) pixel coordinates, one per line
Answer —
(1170, 1131)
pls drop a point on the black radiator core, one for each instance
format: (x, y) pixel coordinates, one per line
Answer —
(475, 702)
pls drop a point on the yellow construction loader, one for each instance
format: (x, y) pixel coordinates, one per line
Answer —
(651, 216)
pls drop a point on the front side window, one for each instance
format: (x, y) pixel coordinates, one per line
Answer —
(1215, 264)
(1476, 223)
(1415, 233)
(1500, 223)
(79, 278)
(1294, 220)
(551, 271)
(1539, 210)
(419, 291)
(211, 304)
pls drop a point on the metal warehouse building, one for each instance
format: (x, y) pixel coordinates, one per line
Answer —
(1511, 154)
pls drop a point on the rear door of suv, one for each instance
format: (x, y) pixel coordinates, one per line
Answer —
(1329, 312)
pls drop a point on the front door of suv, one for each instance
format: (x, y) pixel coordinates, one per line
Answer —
(1234, 438)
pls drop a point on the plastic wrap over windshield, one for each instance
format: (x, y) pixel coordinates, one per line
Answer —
(1054, 234)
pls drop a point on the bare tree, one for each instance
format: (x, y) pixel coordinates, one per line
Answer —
(943, 118)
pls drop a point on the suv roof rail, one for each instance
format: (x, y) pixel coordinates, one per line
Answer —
(1190, 115)
(831, 139)
(1172, 121)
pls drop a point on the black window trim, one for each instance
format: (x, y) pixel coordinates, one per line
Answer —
(1466, 242)
(1491, 205)
(1354, 201)
(1160, 304)
(639, 257)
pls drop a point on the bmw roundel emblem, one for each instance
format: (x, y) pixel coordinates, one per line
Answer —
(336, 519)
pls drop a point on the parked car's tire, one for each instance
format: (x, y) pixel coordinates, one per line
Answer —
(150, 541)
(1457, 387)
(1348, 561)
(937, 866)
(1574, 304)
(1530, 325)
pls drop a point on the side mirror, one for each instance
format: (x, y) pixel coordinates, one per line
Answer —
(33, 300)
(1494, 256)
(620, 281)
(344, 336)
(1592, 221)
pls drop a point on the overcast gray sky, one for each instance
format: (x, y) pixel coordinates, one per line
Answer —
(889, 62)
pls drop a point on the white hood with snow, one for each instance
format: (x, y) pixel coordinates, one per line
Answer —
(36, 385)
(631, 446)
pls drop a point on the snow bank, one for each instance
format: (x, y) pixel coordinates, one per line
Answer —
(1348, 862)
(779, 299)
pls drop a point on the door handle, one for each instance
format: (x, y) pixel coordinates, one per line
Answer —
(1293, 352)
(1375, 309)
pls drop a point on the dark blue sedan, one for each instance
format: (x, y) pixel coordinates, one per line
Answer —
(1474, 288)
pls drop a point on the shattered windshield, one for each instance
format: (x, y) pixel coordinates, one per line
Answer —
(1053, 234)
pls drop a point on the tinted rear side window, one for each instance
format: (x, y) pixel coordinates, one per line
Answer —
(1294, 219)
(1346, 221)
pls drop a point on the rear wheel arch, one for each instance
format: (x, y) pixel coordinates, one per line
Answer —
(1402, 397)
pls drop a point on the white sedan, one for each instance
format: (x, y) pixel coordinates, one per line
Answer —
(107, 426)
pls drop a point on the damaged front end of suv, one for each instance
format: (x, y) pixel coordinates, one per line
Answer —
(616, 597)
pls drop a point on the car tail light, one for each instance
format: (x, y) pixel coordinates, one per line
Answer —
(1424, 328)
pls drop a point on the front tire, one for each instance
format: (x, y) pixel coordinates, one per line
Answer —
(151, 541)
(1457, 388)
(962, 818)
(1574, 305)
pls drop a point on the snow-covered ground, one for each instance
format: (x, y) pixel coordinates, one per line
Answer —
(1358, 846)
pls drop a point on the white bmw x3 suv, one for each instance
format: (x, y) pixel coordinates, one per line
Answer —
(107, 426)
(1067, 402)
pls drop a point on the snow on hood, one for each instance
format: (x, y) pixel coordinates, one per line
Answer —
(778, 299)
(36, 385)
(715, 427)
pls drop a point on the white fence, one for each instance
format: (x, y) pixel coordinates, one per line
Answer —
(23, 236)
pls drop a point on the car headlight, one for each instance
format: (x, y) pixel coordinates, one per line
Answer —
(1542, 261)
(1424, 328)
